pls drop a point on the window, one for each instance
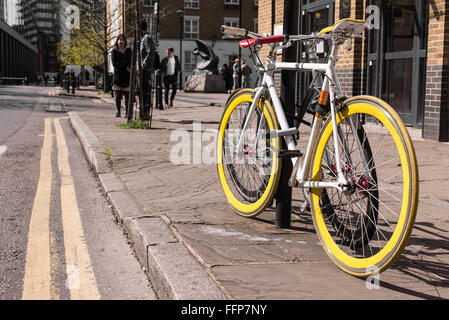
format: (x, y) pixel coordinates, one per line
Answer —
(191, 4)
(148, 3)
(231, 22)
(191, 27)
(256, 25)
(190, 61)
(232, 2)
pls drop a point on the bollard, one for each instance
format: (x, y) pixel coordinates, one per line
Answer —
(288, 83)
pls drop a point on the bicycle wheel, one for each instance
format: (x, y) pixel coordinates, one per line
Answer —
(365, 228)
(249, 194)
(248, 176)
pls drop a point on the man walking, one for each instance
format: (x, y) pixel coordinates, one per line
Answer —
(147, 53)
(170, 67)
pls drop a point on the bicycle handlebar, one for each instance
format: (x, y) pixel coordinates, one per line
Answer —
(278, 38)
(258, 39)
(233, 31)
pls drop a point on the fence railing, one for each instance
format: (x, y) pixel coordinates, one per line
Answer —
(12, 80)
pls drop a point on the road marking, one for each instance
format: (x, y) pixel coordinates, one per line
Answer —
(81, 278)
(37, 279)
(3, 149)
(54, 260)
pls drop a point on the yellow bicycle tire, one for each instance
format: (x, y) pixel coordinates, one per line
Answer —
(364, 267)
(249, 210)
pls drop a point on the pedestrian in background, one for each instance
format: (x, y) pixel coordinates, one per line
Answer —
(121, 60)
(235, 74)
(170, 68)
(226, 74)
(246, 75)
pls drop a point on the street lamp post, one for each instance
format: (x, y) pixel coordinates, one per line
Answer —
(180, 13)
(240, 48)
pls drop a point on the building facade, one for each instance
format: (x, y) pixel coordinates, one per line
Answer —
(8, 12)
(2, 10)
(201, 19)
(39, 23)
(17, 55)
(403, 60)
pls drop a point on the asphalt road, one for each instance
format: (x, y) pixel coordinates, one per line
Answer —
(58, 235)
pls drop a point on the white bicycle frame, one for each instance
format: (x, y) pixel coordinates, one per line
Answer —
(331, 85)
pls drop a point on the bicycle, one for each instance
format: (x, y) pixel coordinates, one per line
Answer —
(359, 169)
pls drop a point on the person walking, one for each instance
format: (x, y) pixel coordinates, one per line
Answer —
(226, 74)
(170, 68)
(246, 75)
(148, 55)
(235, 74)
(121, 60)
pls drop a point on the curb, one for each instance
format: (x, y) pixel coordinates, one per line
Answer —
(78, 96)
(173, 271)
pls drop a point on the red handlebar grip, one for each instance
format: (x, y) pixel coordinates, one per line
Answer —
(247, 43)
(264, 40)
(271, 39)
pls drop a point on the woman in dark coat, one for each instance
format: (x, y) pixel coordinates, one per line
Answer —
(121, 60)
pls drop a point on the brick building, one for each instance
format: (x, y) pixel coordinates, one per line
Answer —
(201, 20)
(403, 60)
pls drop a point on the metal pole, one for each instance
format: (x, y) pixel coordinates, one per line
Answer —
(288, 83)
(158, 72)
(143, 113)
(240, 49)
(180, 50)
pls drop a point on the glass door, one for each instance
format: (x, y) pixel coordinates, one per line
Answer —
(397, 57)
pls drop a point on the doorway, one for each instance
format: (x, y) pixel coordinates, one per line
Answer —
(397, 57)
(314, 16)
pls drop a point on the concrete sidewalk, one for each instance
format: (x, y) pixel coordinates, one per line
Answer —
(194, 247)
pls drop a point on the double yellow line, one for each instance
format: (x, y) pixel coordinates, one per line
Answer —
(80, 277)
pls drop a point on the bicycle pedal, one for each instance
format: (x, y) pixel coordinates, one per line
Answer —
(290, 154)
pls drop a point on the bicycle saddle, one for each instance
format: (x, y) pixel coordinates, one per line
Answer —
(346, 27)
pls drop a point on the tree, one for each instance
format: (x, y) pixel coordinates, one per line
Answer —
(101, 29)
(79, 51)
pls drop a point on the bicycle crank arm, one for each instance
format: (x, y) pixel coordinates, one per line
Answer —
(293, 182)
